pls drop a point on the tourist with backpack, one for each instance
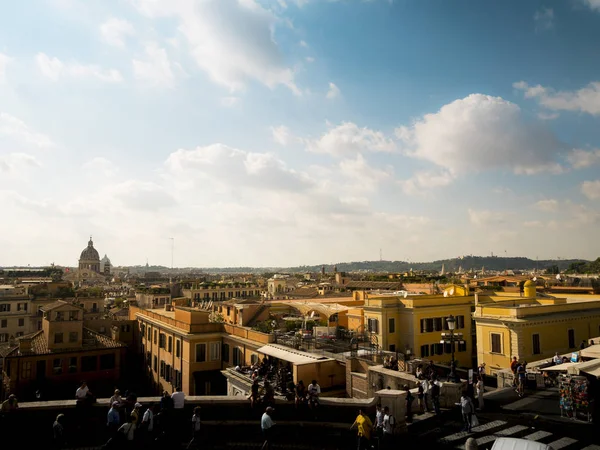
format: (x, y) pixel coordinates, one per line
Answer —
(389, 428)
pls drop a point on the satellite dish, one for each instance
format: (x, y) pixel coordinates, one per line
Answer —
(558, 276)
(445, 293)
(405, 294)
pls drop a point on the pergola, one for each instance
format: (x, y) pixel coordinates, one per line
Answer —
(305, 308)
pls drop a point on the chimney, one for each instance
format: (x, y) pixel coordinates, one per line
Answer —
(24, 345)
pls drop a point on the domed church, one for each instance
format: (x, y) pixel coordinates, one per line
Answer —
(90, 259)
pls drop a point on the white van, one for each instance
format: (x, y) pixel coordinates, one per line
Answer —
(518, 444)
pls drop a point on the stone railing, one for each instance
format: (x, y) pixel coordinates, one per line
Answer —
(220, 416)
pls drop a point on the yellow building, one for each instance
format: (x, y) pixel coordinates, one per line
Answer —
(531, 327)
(416, 323)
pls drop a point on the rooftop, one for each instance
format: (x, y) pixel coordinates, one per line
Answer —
(39, 345)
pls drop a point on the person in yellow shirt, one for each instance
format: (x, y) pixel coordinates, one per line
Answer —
(364, 426)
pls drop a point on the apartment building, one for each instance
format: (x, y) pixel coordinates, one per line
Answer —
(220, 292)
(15, 310)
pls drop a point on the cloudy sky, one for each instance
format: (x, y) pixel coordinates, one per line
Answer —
(285, 132)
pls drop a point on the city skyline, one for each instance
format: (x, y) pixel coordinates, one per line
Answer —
(278, 133)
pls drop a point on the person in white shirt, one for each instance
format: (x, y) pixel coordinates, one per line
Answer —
(82, 391)
(314, 390)
(557, 359)
(148, 419)
(196, 422)
(178, 398)
(389, 425)
(266, 425)
(426, 394)
(128, 429)
(379, 419)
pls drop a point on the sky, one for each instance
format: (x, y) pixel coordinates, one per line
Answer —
(289, 132)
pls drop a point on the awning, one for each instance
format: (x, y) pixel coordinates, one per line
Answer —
(593, 372)
(586, 367)
(559, 367)
(293, 356)
(593, 351)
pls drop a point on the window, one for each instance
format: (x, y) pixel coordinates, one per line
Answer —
(125, 328)
(39, 327)
(215, 351)
(373, 325)
(200, 352)
(3, 323)
(5, 307)
(177, 348)
(58, 338)
(237, 357)
(496, 342)
(424, 351)
(143, 330)
(89, 363)
(392, 325)
(149, 359)
(462, 346)
(162, 369)
(460, 322)
(73, 364)
(168, 370)
(155, 336)
(392, 347)
(3, 337)
(162, 340)
(26, 370)
(228, 310)
(107, 361)
(253, 358)
(437, 324)
(73, 315)
(225, 353)
(19, 334)
(447, 348)
(21, 322)
(426, 325)
(571, 338)
(170, 344)
(437, 349)
(94, 307)
(57, 366)
(536, 344)
(60, 316)
(149, 333)
(178, 378)
(73, 336)
(155, 363)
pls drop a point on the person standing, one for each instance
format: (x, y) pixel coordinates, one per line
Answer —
(196, 422)
(467, 409)
(314, 391)
(266, 426)
(426, 394)
(379, 420)
(364, 427)
(128, 430)
(435, 396)
(113, 419)
(58, 432)
(389, 427)
(148, 423)
(178, 398)
(513, 368)
(178, 413)
(480, 389)
(409, 401)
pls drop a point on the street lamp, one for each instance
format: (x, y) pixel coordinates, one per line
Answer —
(450, 338)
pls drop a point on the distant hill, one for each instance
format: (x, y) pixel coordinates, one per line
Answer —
(467, 263)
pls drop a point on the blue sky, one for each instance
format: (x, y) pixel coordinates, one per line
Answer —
(284, 132)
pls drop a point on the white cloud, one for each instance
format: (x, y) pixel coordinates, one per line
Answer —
(481, 133)
(232, 41)
(13, 162)
(580, 159)
(585, 100)
(533, 224)
(349, 139)
(223, 164)
(114, 31)
(230, 101)
(5, 60)
(17, 129)
(100, 165)
(155, 69)
(363, 176)
(303, 44)
(54, 69)
(333, 92)
(550, 205)
(484, 217)
(281, 135)
(142, 195)
(547, 116)
(424, 180)
(544, 19)
(310, 59)
(591, 189)
(592, 4)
